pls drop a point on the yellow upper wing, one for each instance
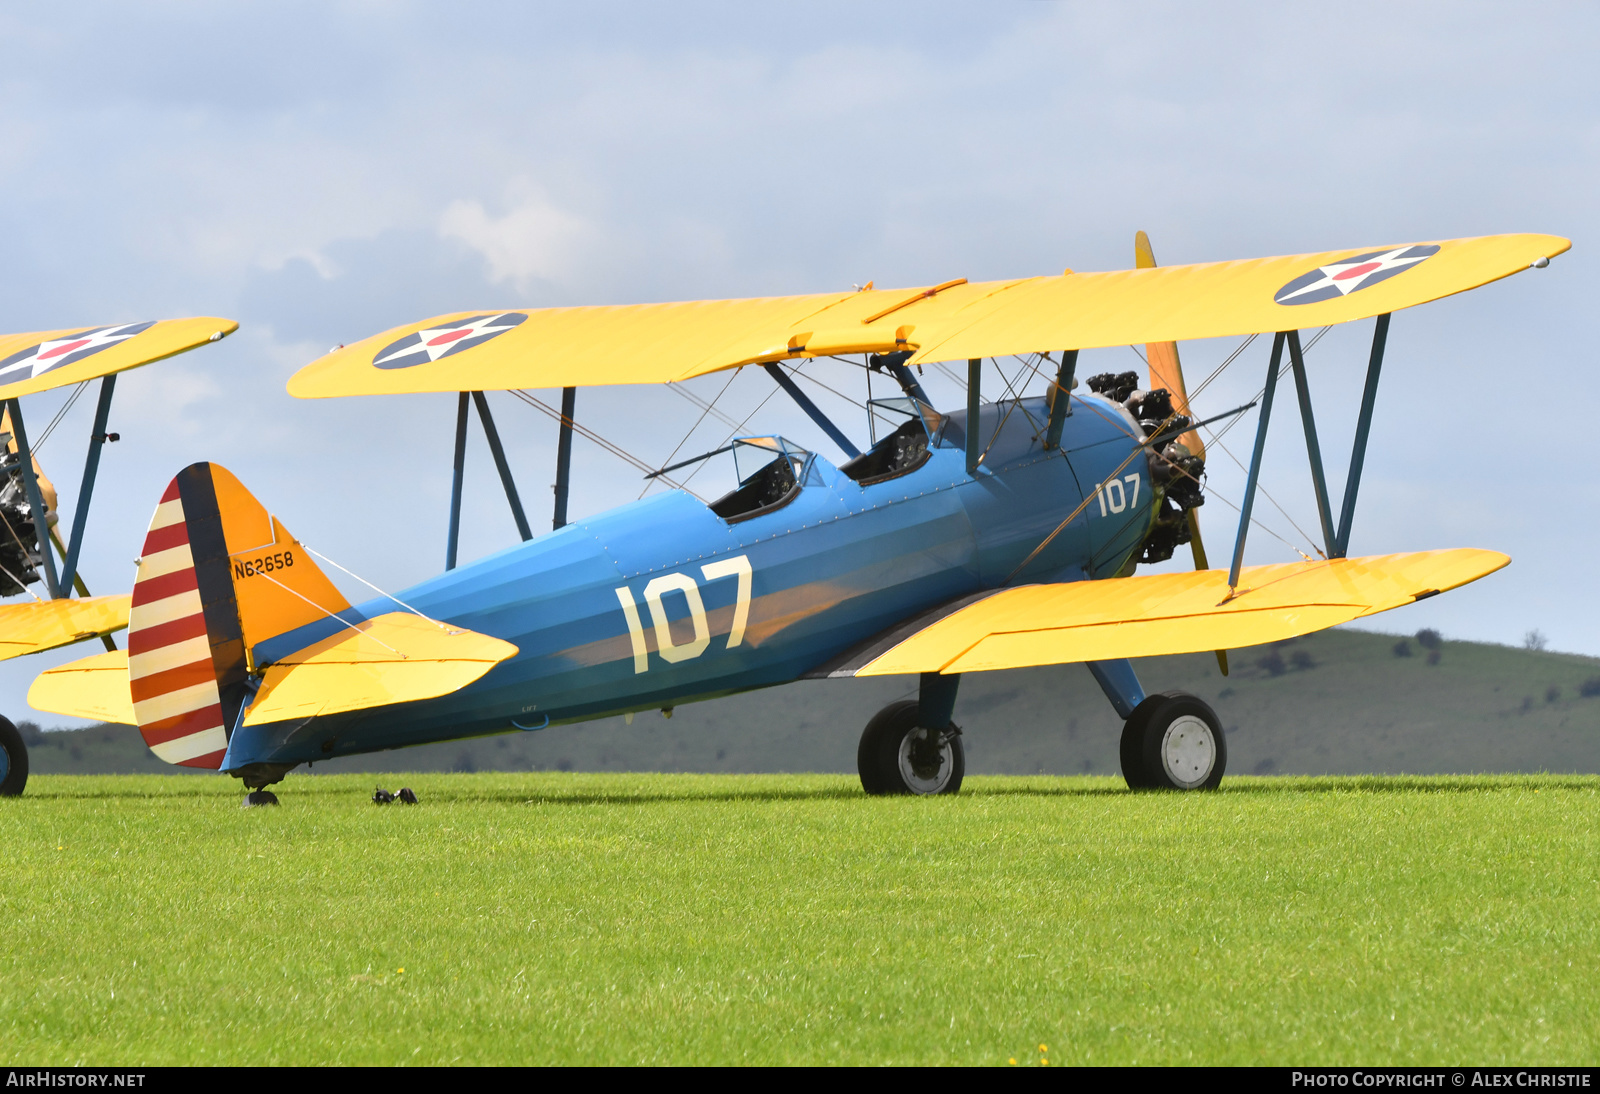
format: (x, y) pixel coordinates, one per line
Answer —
(32, 626)
(652, 343)
(1174, 613)
(47, 359)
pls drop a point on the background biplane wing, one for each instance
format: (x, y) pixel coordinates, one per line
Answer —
(654, 343)
(1162, 614)
(394, 658)
(35, 626)
(42, 360)
(95, 688)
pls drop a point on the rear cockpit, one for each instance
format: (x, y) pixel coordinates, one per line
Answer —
(902, 451)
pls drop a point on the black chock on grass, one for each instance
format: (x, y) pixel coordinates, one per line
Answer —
(380, 796)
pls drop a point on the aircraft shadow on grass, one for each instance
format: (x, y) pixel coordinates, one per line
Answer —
(1102, 787)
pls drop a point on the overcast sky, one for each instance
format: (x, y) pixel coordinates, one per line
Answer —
(321, 172)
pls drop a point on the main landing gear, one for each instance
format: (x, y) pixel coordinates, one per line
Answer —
(1173, 741)
(13, 760)
(1170, 741)
(897, 755)
(911, 746)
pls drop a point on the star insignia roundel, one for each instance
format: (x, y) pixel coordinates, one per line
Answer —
(66, 350)
(435, 342)
(1350, 275)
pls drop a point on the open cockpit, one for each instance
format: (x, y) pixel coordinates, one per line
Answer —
(771, 471)
(902, 451)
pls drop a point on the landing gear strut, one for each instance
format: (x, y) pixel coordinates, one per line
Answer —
(13, 760)
(1173, 741)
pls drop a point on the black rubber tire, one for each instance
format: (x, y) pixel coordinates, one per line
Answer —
(1146, 730)
(16, 760)
(1132, 746)
(260, 797)
(878, 755)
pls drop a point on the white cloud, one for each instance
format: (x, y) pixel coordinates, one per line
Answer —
(535, 241)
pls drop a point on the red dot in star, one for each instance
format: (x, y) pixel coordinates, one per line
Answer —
(68, 348)
(1356, 271)
(451, 336)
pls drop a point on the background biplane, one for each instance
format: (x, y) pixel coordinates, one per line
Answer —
(30, 364)
(996, 535)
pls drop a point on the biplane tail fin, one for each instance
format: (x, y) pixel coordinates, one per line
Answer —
(217, 575)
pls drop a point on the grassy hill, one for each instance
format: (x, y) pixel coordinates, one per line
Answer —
(1338, 702)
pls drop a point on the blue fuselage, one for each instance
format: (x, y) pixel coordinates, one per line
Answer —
(662, 602)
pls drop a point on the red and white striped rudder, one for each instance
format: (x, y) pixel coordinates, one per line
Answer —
(186, 660)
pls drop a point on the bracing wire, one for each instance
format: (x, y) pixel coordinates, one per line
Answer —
(1215, 440)
(60, 414)
(711, 407)
(590, 435)
(336, 618)
(707, 408)
(795, 372)
(736, 431)
(1282, 372)
(381, 592)
(1016, 401)
(958, 381)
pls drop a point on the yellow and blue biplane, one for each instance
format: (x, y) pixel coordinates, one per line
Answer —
(994, 535)
(30, 364)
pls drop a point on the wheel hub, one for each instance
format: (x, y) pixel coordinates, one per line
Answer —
(926, 761)
(1188, 751)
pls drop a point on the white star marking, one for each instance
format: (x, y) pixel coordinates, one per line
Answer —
(1350, 275)
(438, 341)
(51, 354)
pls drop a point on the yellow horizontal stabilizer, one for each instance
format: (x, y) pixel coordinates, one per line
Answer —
(1175, 613)
(47, 359)
(32, 626)
(653, 343)
(394, 658)
(95, 688)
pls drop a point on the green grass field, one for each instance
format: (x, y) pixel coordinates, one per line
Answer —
(552, 917)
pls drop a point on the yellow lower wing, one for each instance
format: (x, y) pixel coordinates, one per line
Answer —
(1175, 613)
(395, 658)
(95, 688)
(45, 624)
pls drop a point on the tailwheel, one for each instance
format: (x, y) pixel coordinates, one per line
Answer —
(259, 797)
(898, 756)
(13, 760)
(1173, 741)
